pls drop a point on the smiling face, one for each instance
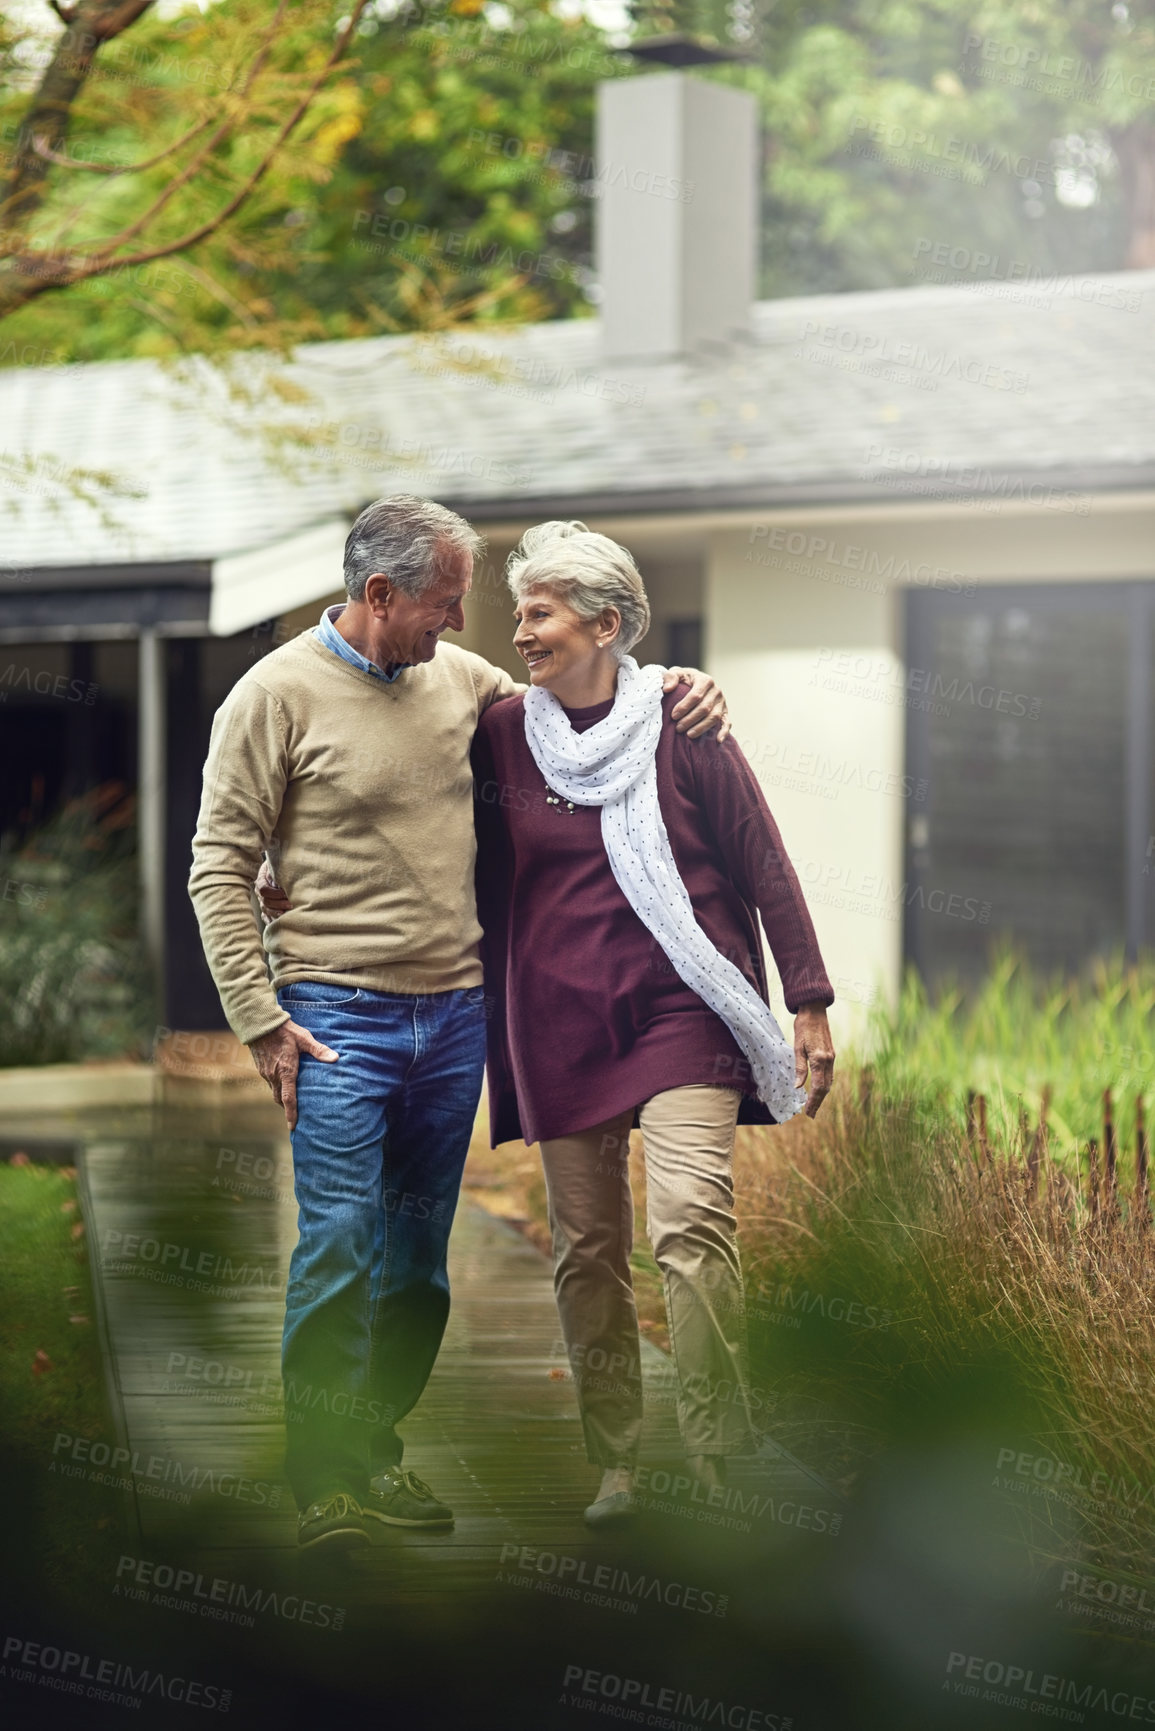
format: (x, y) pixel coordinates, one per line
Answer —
(554, 643)
(560, 647)
(407, 630)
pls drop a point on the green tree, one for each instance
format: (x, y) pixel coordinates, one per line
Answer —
(466, 192)
(440, 173)
(145, 141)
(442, 170)
(1005, 139)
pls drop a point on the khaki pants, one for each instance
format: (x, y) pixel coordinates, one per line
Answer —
(688, 1138)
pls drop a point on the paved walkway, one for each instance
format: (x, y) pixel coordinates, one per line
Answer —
(191, 1222)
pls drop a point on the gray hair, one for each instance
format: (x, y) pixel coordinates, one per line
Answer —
(589, 571)
(405, 539)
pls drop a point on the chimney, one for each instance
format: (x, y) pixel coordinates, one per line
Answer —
(676, 220)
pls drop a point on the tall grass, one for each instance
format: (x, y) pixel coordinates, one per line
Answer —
(1019, 1034)
(991, 1298)
(73, 977)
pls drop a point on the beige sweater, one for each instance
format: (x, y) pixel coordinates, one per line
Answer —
(361, 792)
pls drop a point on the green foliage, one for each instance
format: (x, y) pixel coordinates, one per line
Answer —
(1012, 136)
(167, 130)
(443, 174)
(73, 979)
(437, 178)
(463, 191)
(868, 1300)
(1018, 1034)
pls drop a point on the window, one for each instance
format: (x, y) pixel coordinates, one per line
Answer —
(684, 643)
(1029, 724)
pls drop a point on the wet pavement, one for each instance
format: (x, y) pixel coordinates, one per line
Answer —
(191, 1235)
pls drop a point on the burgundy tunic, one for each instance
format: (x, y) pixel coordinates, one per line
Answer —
(587, 1017)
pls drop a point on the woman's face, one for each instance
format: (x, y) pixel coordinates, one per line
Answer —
(555, 642)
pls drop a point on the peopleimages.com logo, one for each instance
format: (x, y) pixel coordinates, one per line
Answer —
(111, 1680)
(217, 1596)
(582, 1686)
(129, 1470)
(1014, 1685)
(578, 1577)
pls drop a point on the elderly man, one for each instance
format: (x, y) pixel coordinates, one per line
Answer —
(345, 756)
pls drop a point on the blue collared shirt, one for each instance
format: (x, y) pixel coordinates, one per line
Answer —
(328, 634)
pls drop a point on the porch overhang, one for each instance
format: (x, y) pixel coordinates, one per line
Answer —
(266, 582)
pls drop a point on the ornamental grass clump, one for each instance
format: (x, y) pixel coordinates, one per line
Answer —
(911, 1280)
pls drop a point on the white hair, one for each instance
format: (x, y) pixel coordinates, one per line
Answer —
(587, 570)
(406, 539)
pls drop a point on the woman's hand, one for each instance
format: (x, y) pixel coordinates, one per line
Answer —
(273, 899)
(703, 708)
(813, 1051)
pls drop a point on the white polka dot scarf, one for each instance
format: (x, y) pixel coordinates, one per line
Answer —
(613, 764)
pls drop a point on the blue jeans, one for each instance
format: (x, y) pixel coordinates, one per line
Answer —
(378, 1153)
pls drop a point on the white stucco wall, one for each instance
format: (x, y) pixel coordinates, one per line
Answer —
(804, 624)
(830, 764)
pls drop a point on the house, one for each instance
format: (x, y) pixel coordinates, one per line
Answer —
(912, 532)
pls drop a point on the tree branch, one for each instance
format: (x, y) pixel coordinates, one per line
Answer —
(197, 162)
(24, 278)
(86, 28)
(113, 20)
(106, 256)
(53, 156)
(211, 286)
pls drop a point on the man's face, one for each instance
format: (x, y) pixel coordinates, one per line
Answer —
(411, 628)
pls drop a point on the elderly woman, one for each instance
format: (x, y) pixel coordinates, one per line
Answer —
(620, 865)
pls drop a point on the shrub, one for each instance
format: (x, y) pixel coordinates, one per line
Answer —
(74, 981)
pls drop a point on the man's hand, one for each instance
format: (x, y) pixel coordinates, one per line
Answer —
(273, 899)
(277, 1056)
(813, 1050)
(703, 708)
